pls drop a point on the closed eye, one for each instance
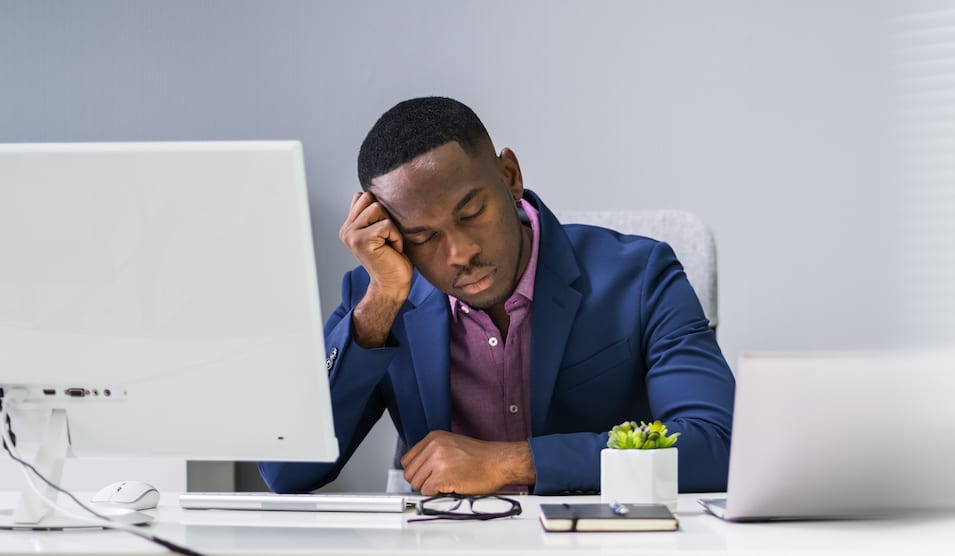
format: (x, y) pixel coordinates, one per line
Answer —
(475, 215)
(428, 239)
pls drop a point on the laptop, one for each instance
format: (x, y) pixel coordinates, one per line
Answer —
(841, 435)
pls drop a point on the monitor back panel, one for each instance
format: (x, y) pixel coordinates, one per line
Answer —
(178, 276)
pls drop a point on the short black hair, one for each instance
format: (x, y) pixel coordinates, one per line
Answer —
(414, 127)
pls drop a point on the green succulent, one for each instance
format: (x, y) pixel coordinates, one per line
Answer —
(630, 436)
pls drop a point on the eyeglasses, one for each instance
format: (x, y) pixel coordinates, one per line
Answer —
(460, 506)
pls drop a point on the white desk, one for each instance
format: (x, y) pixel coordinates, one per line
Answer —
(316, 533)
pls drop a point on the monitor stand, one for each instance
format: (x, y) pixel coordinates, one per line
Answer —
(32, 513)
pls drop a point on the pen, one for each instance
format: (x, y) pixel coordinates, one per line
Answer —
(618, 508)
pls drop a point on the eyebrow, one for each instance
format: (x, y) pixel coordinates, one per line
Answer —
(461, 204)
(466, 199)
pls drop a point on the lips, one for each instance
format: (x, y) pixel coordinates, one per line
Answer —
(476, 284)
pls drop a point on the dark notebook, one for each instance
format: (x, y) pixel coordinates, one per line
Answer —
(601, 517)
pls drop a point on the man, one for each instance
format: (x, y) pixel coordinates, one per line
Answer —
(504, 345)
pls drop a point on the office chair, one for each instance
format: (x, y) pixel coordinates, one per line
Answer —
(685, 232)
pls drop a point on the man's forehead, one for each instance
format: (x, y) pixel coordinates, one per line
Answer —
(438, 169)
(444, 158)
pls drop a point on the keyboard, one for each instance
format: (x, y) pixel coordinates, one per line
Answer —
(294, 502)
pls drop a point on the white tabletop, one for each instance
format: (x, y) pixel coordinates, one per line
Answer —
(301, 533)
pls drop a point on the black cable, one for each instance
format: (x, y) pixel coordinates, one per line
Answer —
(172, 546)
(158, 540)
(49, 483)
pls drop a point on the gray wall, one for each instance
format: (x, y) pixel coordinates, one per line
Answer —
(780, 123)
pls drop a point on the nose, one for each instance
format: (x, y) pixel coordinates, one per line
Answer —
(461, 248)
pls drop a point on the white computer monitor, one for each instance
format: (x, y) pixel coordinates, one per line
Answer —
(160, 299)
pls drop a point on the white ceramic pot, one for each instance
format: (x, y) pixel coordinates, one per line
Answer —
(639, 476)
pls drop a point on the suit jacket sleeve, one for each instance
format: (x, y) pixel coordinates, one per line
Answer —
(357, 403)
(689, 387)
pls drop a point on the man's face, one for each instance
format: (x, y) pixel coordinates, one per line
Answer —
(459, 222)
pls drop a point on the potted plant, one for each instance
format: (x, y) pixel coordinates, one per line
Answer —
(639, 465)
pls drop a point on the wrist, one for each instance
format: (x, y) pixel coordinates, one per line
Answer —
(373, 317)
(386, 296)
(518, 464)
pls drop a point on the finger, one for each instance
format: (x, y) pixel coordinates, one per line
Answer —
(372, 214)
(413, 460)
(418, 477)
(421, 446)
(360, 219)
(359, 204)
(374, 210)
(381, 234)
(359, 214)
(430, 488)
(393, 236)
(435, 481)
(413, 451)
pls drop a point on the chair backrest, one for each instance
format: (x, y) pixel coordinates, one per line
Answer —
(687, 234)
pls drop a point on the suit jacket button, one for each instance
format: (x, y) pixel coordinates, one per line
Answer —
(330, 362)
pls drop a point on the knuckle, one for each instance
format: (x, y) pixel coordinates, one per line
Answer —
(351, 240)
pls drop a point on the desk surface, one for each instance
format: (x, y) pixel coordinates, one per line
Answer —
(301, 533)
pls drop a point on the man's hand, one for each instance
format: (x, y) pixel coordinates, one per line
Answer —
(373, 238)
(444, 462)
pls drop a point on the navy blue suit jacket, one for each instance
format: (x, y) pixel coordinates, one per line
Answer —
(617, 335)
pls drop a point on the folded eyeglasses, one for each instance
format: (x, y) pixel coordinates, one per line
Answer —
(461, 506)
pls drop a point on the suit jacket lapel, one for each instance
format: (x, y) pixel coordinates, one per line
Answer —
(554, 308)
(430, 351)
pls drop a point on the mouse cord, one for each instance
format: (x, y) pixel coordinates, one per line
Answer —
(9, 444)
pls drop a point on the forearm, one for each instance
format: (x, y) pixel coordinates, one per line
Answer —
(703, 453)
(567, 462)
(374, 316)
(690, 387)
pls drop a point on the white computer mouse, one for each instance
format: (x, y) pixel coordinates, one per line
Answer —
(135, 495)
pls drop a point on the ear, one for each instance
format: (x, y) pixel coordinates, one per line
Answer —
(510, 170)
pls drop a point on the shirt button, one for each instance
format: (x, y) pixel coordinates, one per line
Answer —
(464, 309)
(492, 341)
(513, 408)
